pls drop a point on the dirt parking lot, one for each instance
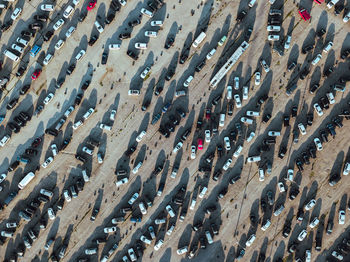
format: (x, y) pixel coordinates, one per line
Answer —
(236, 204)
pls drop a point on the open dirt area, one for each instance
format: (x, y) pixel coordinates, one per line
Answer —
(227, 199)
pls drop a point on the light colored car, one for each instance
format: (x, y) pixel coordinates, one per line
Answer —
(134, 92)
(88, 113)
(264, 65)
(109, 229)
(253, 113)
(236, 82)
(151, 33)
(80, 55)
(266, 225)
(68, 11)
(308, 255)
(77, 124)
(145, 72)
(171, 229)
(229, 93)
(257, 78)
(328, 47)
(145, 240)
(140, 45)
(70, 31)
(245, 93)
(48, 8)
(69, 111)
(330, 97)
(273, 28)
(122, 2)
(290, 174)
(75, 2)
(51, 213)
(47, 162)
(112, 115)
(316, 59)
(59, 44)
(66, 195)
(193, 152)
(106, 127)
(250, 240)
(132, 254)
(246, 120)
(48, 98)
(253, 159)
(142, 208)
(16, 13)
(341, 217)
(273, 37)
(346, 17)
(11, 225)
(314, 222)
(287, 43)
(140, 136)
(310, 205)
(335, 253)
(133, 198)
(207, 136)
(6, 234)
(237, 101)
(122, 181)
(261, 174)
(274, 133)
(250, 137)
(227, 164)
(58, 24)
(302, 129)
(158, 245)
(222, 119)
(17, 48)
(302, 235)
(227, 143)
(136, 168)
(281, 187)
(211, 53)
(170, 211)
(157, 23)
(47, 59)
(346, 169)
(99, 27)
(87, 150)
(182, 250)
(331, 3)
(188, 81)
(2, 177)
(114, 46)
(177, 147)
(91, 251)
(54, 149)
(99, 158)
(318, 109)
(318, 144)
(151, 232)
(146, 12)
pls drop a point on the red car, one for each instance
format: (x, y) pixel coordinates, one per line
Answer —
(200, 144)
(304, 14)
(91, 5)
(319, 1)
(36, 142)
(207, 113)
(36, 74)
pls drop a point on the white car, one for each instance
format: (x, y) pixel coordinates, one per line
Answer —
(227, 143)
(207, 136)
(211, 53)
(229, 93)
(264, 65)
(281, 187)
(109, 229)
(70, 31)
(140, 136)
(47, 59)
(112, 115)
(346, 17)
(257, 78)
(58, 24)
(114, 46)
(273, 37)
(318, 109)
(274, 133)
(59, 44)
(17, 48)
(48, 98)
(302, 129)
(177, 147)
(308, 255)
(332, 3)
(316, 59)
(330, 97)
(287, 43)
(76, 2)
(122, 2)
(51, 213)
(122, 181)
(2, 177)
(16, 13)
(80, 55)
(151, 33)
(250, 137)
(158, 245)
(99, 158)
(318, 144)
(227, 164)
(170, 211)
(47, 7)
(77, 124)
(236, 81)
(88, 113)
(188, 81)
(157, 23)
(99, 27)
(302, 235)
(132, 254)
(105, 127)
(261, 174)
(136, 168)
(54, 149)
(182, 250)
(68, 11)
(341, 217)
(193, 152)
(250, 240)
(237, 101)
(69, 111)
(140, 45)
(253, 113)
(290, 174)
(314, 222)
(345, 171)
(133, 198)
(151, 232)
(245, 93)
(238, 151)
(87, 150)
(145, 240)
(328, 47)
(246, 120)
(273, 28)
(145, 72)
(66, 195)
(142, 208)
(146, 12)
(337, 255)
(310, 205)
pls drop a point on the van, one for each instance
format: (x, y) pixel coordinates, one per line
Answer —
(85, 176)
(251, 3)
(25, 181)
(180, 93)
(199, 39)
(11, 55)
(203, 191)
(209, 237)
(22, 41)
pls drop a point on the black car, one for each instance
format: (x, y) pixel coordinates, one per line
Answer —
(80, 158)
(313, 88)
(93, 40)
(174, 120)
(42, 18)
(82, 16)
(24, 116)
(200, 66)
(132, 54)
(304, 73)
(169, 74)
(104, 58)
(12, 104)
(230, 108)
(78, 99)
(14, 127)
(27, 33)
(169, 42)
(130, 150)
(286, 120)
(183, 58)
(59, 82)
(48, 36)
(65, 143)
(312, 152)
(248, 33)
(6, 26)
(21, 71)
(145, 105)
(216, 100)
(299, 164)
(115, 5)
(338, 9)
(13, 166)
(19, 121)
(181, 112)
(324, 103)
(309, 119)
(52, 132)
(328, 71)
(320, 33)
(216, 175)
(294, 191)
(185, 134)
(291, 66)
(24, 89)
(134, 22)
(124, 36)
(36, 26)
(158, 90)
(266, 118)
(262, 100)
(324, 136)
(71, 69)
(94, 214)
(241, 16)
(110, 18)
(219, 149)
(337, 122)
(30, 151)
(306, 158)
(307, 49)
(345, 54)
(294, 111)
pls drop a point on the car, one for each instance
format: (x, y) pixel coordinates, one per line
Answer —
(59, 44)
(227, 164)
(169, 42)
(109, 229)
(318, 144)
(314, 222)
(15, 14)
(133, 198)
(140, 136)
(328, 47)
(264, 65)
(346, 169)
(302, 128)
(257, 78)
(193, 152)
(47, 162)
(91, 5)
(51, 213)
(87, 150)
(110, 17)
(36, 74)
(146, 12)
(134, 22)
(346, 17)
(122, 181)
(145, 72)
(302, 235)
(335, 253)
(59, 23)
(211, 53)
(48, 98)
(70, 69)
(318, 109)
(237, 100)
(287, 42)
(207, 136)
(310, 204)
(341, 217)
(200, 144)
(99, 27)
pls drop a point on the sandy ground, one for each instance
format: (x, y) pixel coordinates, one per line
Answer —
(108, 90)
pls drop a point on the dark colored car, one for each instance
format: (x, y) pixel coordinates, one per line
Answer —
(82, 16)
(78, 99)
(70, 69)
(286, 120)
(94, 214)
(169, 42)
(65, 143)
(169, 74)
(294, 191)
(320, 33)
(158, 90)
(52, 132)
(30, 151)
(338, 9)
(216, 100)
(25, 116)
(21, 71)
(345, 53)
(134, 22)
(312, 152)
(183, 58)
(80, 158)
(309, 119)
(262, 100)
(6, 25)
(200, 66)
(328, 71)
(12, 104)
(230, 109)
(291, 66)
(130, 151)
(13, 166)
(36, 26)
(36, 142)
(110, 18)
(132, 54)
(14, 127)
(59, 83)
(19, 121)
(93, 40)
(324, 103)
(304, 73)
(324, 136)
(307, 49)
(306, 158)
(27, 33)
(48, 36)
(145, 105)
(313, 88)
(266, 118)
(104, 58)
(294, 111)
(115, 5)
(299, 164)
(24, 89)
(42, 18)
(124, 36)
(216, 175)
(241, 16)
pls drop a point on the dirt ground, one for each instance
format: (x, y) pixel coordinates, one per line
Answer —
(109, 91)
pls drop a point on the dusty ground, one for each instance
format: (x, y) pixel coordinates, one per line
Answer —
(108, 90)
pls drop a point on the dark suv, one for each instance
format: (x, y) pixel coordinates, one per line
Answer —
(124, 36)
(70, 69)
(48, 36)
(169, 42)
(93, 40)
(132, 54)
